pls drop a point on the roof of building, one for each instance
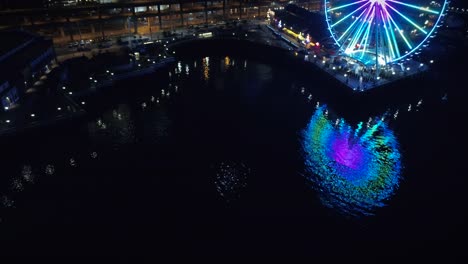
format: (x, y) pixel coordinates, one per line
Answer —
(11, 40)
(305, 21)
(19, 50)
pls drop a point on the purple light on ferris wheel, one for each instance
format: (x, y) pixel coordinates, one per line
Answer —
(382, 31)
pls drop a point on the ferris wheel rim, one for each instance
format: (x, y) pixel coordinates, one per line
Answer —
(430, 34)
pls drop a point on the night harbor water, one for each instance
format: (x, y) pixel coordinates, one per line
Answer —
(220, 155)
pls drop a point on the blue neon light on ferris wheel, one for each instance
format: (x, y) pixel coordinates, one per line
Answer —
(391, 30)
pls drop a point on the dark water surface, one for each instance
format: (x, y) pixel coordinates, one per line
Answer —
(215, 167)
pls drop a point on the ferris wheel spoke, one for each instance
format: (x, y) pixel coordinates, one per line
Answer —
(358, 33)
(424, 9)
(407, 19)
(346, 5)
(366, 35)
(399, 31)
(363, 27)
(389, 40)
(359, 30)
(391, 29)
(354, 23)
(350, 14)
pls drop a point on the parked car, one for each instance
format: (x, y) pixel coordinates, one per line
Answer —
(83, 47)
(73, 44)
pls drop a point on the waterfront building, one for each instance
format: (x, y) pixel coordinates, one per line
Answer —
(24, 58)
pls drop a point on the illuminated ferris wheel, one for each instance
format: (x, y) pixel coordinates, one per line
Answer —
(385, 31)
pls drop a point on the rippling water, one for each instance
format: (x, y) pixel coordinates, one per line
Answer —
(207, 157)
(355, 170)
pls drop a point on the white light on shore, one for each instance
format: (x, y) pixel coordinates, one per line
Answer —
(33, 115)
(8, 121)
(83, 103)
(58, 108)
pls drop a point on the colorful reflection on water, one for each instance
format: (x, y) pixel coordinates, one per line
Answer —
(355, 170)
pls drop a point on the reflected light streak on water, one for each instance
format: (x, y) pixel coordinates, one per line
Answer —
(27, 174)
(231, 179)
(206, 68)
